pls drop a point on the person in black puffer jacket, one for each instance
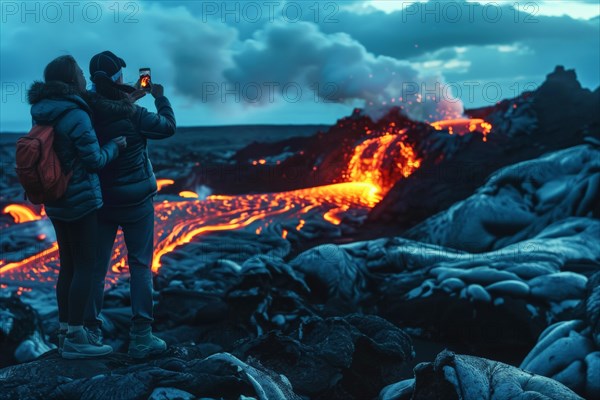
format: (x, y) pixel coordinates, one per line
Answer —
(57, 101)
(128, 188)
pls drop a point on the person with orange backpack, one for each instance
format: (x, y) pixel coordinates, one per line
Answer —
(70, 192)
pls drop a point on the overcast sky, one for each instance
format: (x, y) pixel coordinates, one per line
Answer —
(279, 62)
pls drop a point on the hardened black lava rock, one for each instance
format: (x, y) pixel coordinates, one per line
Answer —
(453, 376)
(187, 370)
(21, 334)
(348, 357)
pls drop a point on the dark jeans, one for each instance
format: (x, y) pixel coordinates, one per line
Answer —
(77, 248)
(138, 230)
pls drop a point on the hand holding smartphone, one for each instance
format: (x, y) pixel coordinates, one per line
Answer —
(145, 80)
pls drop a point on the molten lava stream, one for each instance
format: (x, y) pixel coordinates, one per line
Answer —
(179, 222)
(21, 213)
(374, 167)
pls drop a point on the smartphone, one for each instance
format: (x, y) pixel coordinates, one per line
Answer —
(145, 81)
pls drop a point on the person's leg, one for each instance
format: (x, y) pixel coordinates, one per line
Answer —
(107, 231)
(65, 276)
(84, 236)
(139, 238)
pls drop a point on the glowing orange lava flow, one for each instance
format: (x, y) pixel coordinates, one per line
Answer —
(51, 252)
(462, 126)
(21, 213)
(188, 194)
(177, 223)
(376, 164)
(161, 183)
(218, 213)
(381, 161)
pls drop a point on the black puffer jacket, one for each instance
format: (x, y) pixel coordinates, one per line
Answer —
(75, 144)
(129, 180)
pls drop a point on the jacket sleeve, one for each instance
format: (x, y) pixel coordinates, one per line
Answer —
(93, 157)
(159, 125)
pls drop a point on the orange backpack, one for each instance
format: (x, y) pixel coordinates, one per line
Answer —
(38, 167)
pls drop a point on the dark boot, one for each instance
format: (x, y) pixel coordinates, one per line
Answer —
(143, 344)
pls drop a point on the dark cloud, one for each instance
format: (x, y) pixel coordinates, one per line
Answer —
(412, 31)
(432, 31)
(299, 58)
(426, 27)
(366, 56)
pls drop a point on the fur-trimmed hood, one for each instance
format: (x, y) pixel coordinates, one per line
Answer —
(50, 99)
(106, 109)
(50, 90)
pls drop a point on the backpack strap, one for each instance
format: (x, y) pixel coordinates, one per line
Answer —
(61, 115)
(66, 169)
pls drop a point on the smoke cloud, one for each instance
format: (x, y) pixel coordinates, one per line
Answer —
(297, 62)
